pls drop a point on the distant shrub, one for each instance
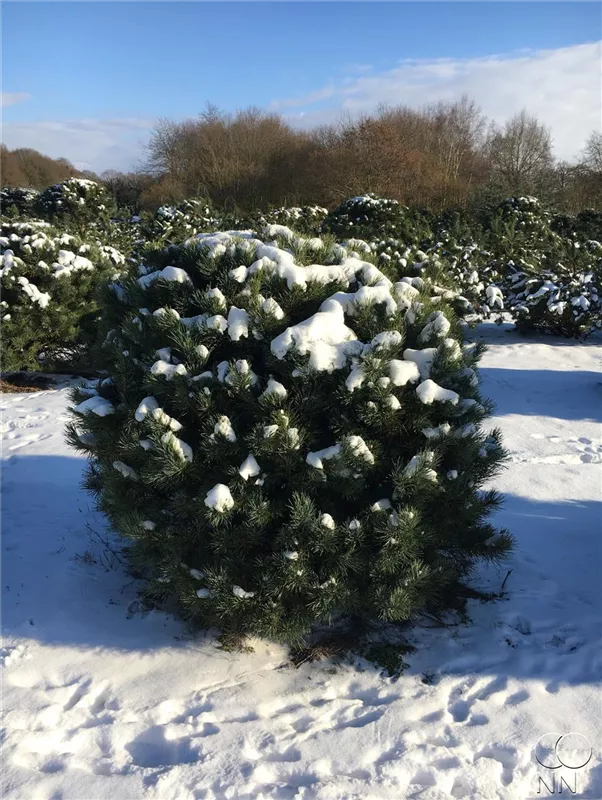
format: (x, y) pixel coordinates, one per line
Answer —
(370, 217)
(520, 227)
(586, 225)
(175, 224)
(306, 220)
(364, 217)
(454, 270)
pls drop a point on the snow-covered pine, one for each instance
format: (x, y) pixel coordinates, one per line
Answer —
(21, 200)
(374, 218)
(49, 280)
(279, 450)
(566, 301)
(175, 224)
(79, 199)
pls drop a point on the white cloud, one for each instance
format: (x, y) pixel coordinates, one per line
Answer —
(305, 100)
(12, 98)
(561, 87)
(95, 144)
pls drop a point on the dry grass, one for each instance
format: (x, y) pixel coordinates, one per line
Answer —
(24, 383)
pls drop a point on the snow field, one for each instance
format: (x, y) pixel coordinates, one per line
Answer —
(102, 700)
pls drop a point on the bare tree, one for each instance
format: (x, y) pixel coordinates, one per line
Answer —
(457, 135)
(590, 171)
(520, 153)
(27, 167)
(592, 152)
(248, 158)
(437, 156)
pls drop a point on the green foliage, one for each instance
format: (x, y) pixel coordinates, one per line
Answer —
(77, 201)
(563, 297)
(49, 283)
(175, 224)
(270, 449)
(306, 220)
(586, 225)
(519, 227)
(15, 201)
(549, 276)
(540, 270)
(369, 217)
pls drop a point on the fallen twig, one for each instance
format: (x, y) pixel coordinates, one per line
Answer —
(104, 542)
(505, 579)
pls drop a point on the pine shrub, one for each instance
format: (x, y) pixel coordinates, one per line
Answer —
(77, 200)
(449, 268)
(456, 226)
(287, 437)
(586, 225)
(175, 224)
(370, 217)
(563, 297)
(18, 201)
(520, 227)
(49, 282)
(306, 220)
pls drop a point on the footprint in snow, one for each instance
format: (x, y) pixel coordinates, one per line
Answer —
(460, 703)
(517, 698)
(582, 451)
(154, 748)
(506, 757)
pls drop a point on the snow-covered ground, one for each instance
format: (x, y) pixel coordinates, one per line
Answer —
(103, 701)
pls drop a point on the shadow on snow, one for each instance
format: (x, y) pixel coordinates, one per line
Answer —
(56, 594)
(575, 395)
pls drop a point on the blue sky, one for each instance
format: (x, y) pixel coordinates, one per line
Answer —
(119, 66)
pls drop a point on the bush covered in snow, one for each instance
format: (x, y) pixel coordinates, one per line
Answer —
(370, 217)
(563, 298)
(175, 224)
(306, 220)
(461, 273)
(519, 265)
(49, 282)
(18, 200)
(520, 227)
(77, 199)
(541, 268)
(288, 437)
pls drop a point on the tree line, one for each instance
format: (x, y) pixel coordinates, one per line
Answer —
(443, 155)
(29, 168)
(440, 156)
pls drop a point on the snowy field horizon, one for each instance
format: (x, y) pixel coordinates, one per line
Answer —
(104, 699)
